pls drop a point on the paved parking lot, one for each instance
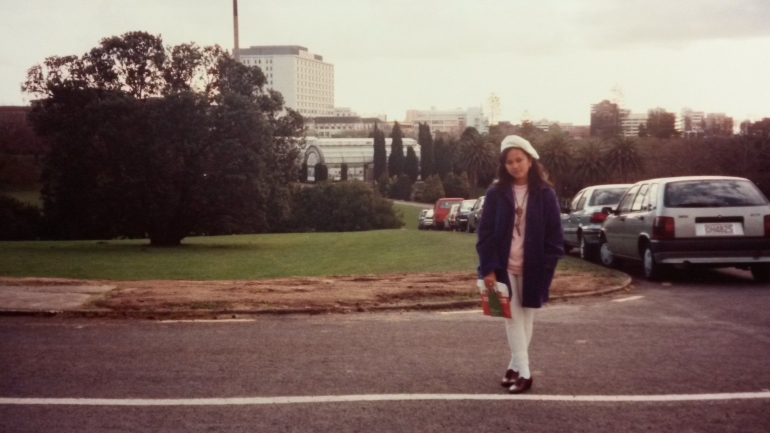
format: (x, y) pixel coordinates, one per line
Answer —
(676, 356)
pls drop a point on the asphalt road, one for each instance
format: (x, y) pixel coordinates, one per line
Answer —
(705, 333)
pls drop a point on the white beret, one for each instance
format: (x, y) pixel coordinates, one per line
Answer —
(521, 143)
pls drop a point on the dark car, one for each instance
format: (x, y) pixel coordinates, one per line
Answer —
(461, 220)
(475, 215)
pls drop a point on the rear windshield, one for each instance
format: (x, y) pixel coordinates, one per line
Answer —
(447, 204)
(606, 197)
(713, 193)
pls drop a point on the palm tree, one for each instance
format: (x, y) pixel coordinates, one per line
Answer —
(477, 155)
(590, 168)
(556, 156)
(623, 157)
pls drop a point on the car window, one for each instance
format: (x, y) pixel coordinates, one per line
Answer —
(467, 204)
(625, 203)
(713, 193)
(652, 201)
(581, 204)
(606, 197)
(446, 205)
(637, 206)
(574, 205)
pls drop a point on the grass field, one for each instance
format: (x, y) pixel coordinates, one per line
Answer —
(252, 256)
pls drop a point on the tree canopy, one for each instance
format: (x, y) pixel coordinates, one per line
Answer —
(161, 142)
(397, 158)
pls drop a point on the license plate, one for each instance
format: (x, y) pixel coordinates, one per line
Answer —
(719, 229)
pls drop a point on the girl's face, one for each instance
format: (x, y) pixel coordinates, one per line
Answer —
(517, 163)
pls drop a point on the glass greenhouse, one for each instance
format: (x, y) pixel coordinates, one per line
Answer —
(357, 153)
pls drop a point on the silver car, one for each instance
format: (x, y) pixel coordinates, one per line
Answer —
(713, 221)
(583, 221)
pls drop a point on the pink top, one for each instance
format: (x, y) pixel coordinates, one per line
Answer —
(516, 257)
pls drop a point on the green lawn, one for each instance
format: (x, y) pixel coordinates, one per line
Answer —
(251, 256)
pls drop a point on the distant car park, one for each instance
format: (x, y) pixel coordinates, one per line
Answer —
(582, 222)
(425, 220)
(698, 221)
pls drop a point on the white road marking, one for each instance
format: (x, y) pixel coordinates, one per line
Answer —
(207, 321)
(241, 401)
(630, 298)
(461, 312)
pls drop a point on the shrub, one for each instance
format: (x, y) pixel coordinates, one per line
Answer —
(400, 188)
(456, 186)
(321, 172)
(343, 206)
(433, 190)
(18, 221)
(383, 184)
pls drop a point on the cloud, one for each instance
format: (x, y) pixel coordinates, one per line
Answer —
(618, 24)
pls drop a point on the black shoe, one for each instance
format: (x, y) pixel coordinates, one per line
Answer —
(521, 385)
(509, 378)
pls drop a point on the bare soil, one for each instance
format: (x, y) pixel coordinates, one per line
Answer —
(338, 292)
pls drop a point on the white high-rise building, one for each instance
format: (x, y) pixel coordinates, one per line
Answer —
(304, 79)
(450, 121)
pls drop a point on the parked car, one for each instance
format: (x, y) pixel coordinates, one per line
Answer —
(441, 209)
(451, 218)
(582, 222)
(462, 214)
(710, 221)
(475, 215)
(425, 220)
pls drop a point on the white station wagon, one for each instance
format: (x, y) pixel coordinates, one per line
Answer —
(713, 221)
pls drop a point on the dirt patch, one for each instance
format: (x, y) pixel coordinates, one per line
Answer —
(344, 292)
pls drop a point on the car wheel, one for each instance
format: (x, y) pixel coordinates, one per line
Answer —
(605, 254)
(587, 252)
(761, 273)
(653, 270)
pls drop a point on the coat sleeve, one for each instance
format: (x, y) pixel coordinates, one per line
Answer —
(554, 235)
(486, 246)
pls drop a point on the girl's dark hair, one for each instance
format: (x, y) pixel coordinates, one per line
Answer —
(536, 178)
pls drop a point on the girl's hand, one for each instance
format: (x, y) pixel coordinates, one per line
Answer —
(490, 281)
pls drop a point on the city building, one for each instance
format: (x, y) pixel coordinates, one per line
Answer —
(630, 123)
(545, 125)
(605, 119)
(357, 153)
(692, 123)
(304, 79)
(719, 124)
(451, 122)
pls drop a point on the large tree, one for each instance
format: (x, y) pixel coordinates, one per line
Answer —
(623, 157)
(590, 168)
(397, 158)
(380, 153)
(661, 124)
(556, 155)
(427, 158)
(161, 142)
(477, 155)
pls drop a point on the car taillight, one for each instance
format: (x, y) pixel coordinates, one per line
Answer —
(767, 226)
(598, 217)
(663, 228)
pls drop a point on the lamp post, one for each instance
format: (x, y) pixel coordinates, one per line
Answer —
(236, 50)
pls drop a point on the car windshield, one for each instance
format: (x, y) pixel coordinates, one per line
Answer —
(606, 197)
(447, 204)
(467, 205)
(713, 193)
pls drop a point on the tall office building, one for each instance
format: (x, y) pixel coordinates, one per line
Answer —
(304, 79)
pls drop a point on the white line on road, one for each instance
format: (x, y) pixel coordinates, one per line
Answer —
(630, 298)
(240, 401)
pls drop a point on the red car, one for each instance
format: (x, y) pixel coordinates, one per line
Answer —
(441, 210)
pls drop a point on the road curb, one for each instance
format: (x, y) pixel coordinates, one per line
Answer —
(202, 313)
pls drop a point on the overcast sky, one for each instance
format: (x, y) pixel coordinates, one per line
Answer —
(549, 58)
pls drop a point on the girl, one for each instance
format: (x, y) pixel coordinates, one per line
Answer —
(519, 243)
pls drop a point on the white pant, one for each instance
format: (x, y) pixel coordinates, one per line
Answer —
(519, 329)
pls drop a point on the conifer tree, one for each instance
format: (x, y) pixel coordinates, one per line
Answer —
(427, 157)
(397, 158)
(380, 153)
(411, 165)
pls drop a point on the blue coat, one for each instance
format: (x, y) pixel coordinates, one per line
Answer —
(543, 240)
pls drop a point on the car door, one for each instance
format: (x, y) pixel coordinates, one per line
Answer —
(635, 220)
(570, 221)
(615, 225)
